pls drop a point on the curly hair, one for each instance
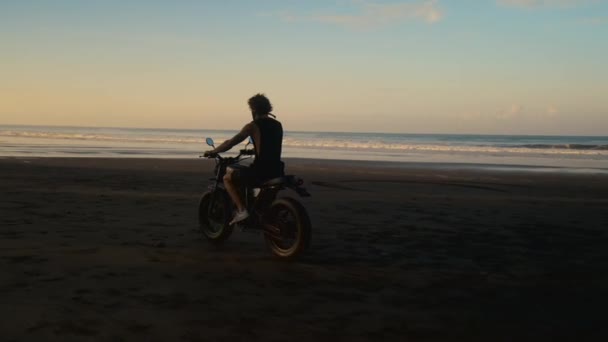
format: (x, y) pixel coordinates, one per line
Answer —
(260, 104)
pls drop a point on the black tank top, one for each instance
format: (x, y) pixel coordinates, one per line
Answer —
(267, 163)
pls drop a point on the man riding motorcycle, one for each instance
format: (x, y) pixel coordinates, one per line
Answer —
(267, 136)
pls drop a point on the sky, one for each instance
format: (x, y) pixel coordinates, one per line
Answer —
(417, 66)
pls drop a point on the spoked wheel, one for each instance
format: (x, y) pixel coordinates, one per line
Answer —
(214, 216)
(287, 228)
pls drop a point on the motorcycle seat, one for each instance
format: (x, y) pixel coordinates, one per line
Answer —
(273, 182)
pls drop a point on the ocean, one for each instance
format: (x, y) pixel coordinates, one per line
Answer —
(569, 152)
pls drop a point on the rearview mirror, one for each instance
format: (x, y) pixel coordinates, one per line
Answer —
(210, 142)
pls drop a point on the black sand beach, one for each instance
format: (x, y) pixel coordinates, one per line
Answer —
(108, 250)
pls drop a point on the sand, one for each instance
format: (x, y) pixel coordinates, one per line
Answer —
(108, 250)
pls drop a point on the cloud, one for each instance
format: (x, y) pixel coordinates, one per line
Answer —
(370, 14)
(595, 20)
(511, 112)
(545, 3)
(517, 112)
(551, 111)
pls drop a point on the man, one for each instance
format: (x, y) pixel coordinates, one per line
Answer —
(267, 135)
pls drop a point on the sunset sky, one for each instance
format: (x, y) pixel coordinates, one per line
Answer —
(437, 66)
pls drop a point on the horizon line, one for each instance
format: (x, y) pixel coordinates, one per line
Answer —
(307, 131)
(304, 131)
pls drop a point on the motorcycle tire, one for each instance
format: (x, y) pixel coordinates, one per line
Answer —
(214, 212)
(287, 228)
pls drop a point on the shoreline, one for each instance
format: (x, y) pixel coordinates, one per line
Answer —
(584, 154)
(371, 164)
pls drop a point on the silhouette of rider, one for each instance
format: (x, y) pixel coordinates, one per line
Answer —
(267, 136)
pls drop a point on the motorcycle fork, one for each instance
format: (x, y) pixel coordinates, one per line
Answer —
(214, 190)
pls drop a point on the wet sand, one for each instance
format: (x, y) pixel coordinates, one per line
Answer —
(108, 250)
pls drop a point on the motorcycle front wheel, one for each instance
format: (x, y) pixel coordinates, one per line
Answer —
(214, 212)
(287, 228)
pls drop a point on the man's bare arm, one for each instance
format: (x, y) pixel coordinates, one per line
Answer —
(237, 139)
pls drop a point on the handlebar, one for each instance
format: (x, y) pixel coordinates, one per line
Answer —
(210, 156)
(244, 152)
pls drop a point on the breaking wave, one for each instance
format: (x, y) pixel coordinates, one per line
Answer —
(327, 141)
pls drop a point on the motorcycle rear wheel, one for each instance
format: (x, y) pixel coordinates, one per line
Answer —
(287, 228)
(214, 213)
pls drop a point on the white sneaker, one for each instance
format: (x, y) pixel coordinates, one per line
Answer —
(239, 216)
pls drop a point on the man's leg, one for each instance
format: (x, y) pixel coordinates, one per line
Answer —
(233, 188)
(233, 180)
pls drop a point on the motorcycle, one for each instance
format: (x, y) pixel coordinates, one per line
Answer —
(283, 221)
